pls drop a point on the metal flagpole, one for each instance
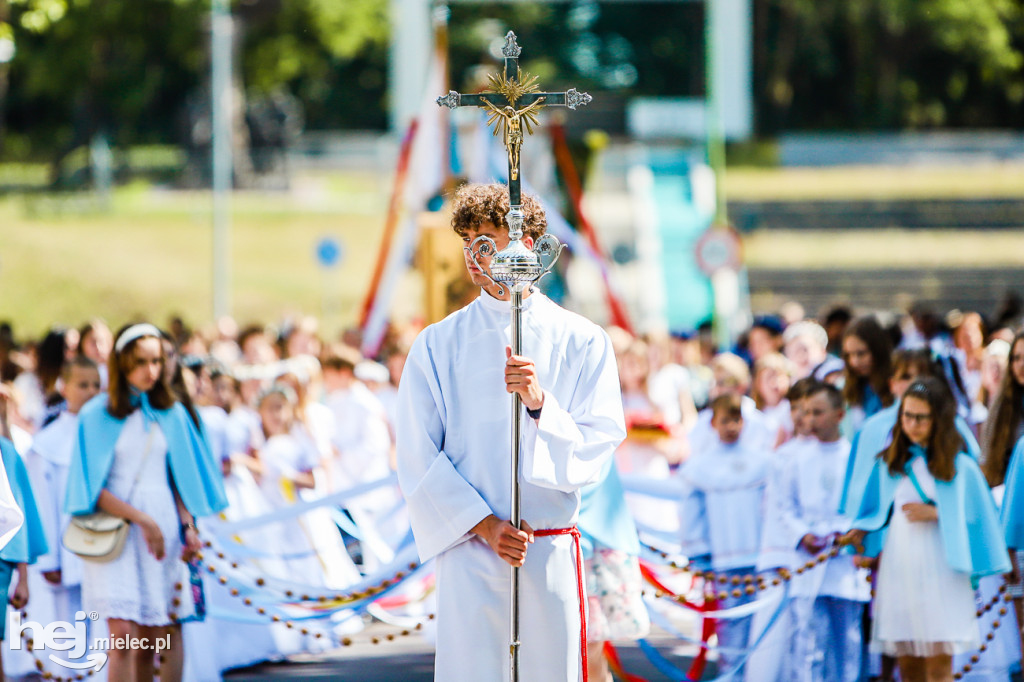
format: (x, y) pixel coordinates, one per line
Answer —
(221, 36)
(515, 268)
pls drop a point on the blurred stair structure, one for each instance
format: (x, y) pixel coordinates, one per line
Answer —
(974, 288)
(911, 214)
(637, 188)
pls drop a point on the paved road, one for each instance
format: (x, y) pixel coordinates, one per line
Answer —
(411, 660)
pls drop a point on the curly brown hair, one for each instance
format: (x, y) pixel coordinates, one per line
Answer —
(945, 442)
(475, 205)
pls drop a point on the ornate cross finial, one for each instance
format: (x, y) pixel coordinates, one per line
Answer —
(511, 49)
(513, 102)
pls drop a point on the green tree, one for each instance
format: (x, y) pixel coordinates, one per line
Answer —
(889, 63)
(618, 49)
(88, 65)
(128, 68)
(6, 49)
(332, 55)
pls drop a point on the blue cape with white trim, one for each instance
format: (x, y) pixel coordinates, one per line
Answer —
(1012, 513)
(968, 519)
(874, 436)
(195, 474)
(29, 542)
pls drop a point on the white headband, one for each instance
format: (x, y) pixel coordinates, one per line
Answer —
(136, 331)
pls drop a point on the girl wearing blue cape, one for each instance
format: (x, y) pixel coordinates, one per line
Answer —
(929, 511)
(1002, 451)
(28, 542)
(139, 456)
(875, 434)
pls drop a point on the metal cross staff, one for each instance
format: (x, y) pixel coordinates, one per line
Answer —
(515, 267)
(509, 89)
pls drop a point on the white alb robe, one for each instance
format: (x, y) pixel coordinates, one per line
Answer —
(768, 661)
(283, 457)
(827, 606)
(776, 549)
(48, 462)
(362, 438)
(454, 433)
(220, 642)
(243, 430)
(215, 422)
(722, 504)
(361, 434)
(811, 484)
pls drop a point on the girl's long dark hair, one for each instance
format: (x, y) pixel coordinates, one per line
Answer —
(918, 362)
(51, 352)
(997, 435)
(178, 387)
(119, 400)
(869, 331)
(945, 442)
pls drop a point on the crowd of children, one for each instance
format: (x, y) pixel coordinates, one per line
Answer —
(856, 433)
(809, 430)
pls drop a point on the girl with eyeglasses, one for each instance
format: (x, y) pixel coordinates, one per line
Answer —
(927, 508)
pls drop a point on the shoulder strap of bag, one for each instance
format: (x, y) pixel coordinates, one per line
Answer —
(142, 465)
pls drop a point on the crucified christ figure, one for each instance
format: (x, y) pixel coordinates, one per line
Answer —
(512, 124)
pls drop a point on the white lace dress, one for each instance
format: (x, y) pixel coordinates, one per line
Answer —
(922, 606)
(135, 586)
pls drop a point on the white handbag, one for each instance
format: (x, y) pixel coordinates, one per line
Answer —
(100, 536)
(96, 537)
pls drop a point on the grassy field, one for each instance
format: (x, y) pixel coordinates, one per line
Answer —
(884, 248)
(64, 260)
(993, 181)
(149, 254)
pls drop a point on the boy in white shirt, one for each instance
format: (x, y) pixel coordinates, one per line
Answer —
(776, 549)
(47, 462)
(829, 599)
(769, 662)
(722, 508)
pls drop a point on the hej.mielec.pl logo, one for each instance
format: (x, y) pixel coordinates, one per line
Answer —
(73, 638)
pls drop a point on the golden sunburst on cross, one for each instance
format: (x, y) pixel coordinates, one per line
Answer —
(513, 88)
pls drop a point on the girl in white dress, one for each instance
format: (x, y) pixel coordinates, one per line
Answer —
(771, 383)
(140, 457)
(283, 466)
(924, 602)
